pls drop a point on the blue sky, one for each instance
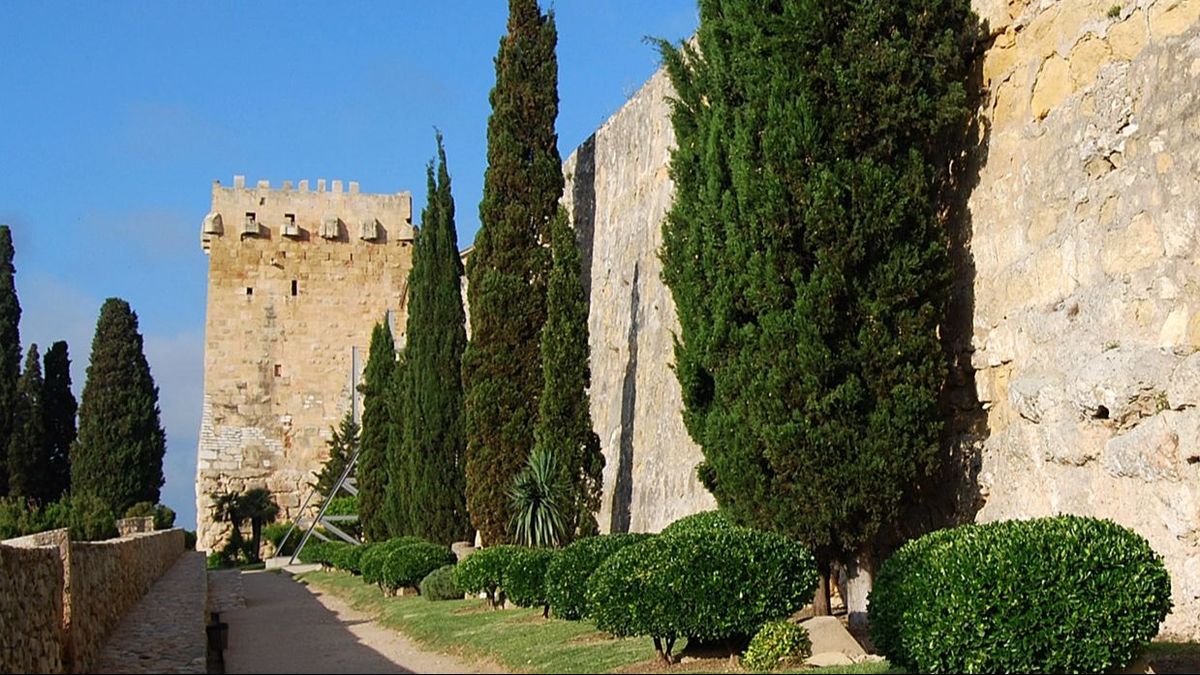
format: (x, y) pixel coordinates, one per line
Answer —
(115, 118)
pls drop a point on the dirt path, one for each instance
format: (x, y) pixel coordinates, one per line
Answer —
(288, 627)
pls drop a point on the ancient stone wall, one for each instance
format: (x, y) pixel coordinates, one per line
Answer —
(31, 594)
(107, 578)
(1086, 290)
(297, 280)
(1077, 290)
(618, 193)
(59, 599)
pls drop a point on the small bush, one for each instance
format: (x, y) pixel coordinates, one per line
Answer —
(704, 585)
(189, 540)
(406, 566)
(164, 517)
(322, 552)
(275, 532)
(91, 519)
(440, 585)
(483, 572)
(1062, 594)
(567, 575)
(705, 521)
(348, 558)
(140, 510)
(343, 505)
(372, 561)
(525, 577)
(776, 643)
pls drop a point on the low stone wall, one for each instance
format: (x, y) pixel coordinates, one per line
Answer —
(31, 609)
(108, 578)
(59, 599)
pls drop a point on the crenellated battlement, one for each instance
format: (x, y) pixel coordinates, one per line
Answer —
(298, 213)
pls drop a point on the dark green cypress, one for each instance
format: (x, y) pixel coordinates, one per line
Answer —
(10, 350)
(807, 257)
(27, 465)
(342, 444)
(376, 420)
(502, 370)
(434, 439)
(118, 455)
(60, 407)
(399, 469)
(564, 425)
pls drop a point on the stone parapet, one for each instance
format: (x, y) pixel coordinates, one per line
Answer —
(60, 599)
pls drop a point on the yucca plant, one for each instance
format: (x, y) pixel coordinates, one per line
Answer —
(540, 496)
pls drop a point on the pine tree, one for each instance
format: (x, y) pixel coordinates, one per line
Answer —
(27, 457)
(564, 427)
(434, 438)
(342, 444)
(118, 454)
(10, 350)
(376, 420)
(806, 255)
(60, 407)
(399, 471)
(509, 265)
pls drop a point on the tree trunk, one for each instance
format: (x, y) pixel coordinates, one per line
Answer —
(860, 574)
(821, 599)
(255, 539)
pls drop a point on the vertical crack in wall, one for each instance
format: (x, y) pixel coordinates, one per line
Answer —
(623, 489)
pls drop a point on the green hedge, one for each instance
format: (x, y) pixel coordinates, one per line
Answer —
(406, 566)
(372, 561)
(567, 575)
(1062, 594)
(706, 585)
(440, 585)
(776, 643)
(705, 521)
(322, 552)
(483, 571)
(525, 577)
(349, 558)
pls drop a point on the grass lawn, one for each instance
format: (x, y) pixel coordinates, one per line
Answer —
(516, 639)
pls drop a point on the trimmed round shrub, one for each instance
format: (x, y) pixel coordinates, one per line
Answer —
(525, 576)
(1062, 594)
(371, 562)
(711, 585)
(568, 573)
(483, 571)
(705, 521)
(406, 566)
(440, 585)
(777, 643)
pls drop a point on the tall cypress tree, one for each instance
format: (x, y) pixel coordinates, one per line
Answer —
(10, 350)
(118, 455)
(508, 268)
(59, 406)
(564, 425)
(376, 420)
(434, 438)
(807, 258)
(27, 457)
(397, 515)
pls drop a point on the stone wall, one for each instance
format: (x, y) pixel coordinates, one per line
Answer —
(292, 300)
(618, 193)
(1077, 301)
(31, 605)
(107, 578)
(59, 600)
(1086, 290)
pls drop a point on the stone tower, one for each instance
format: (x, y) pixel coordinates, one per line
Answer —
(297, 278)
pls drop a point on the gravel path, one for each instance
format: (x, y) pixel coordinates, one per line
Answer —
(287, 627)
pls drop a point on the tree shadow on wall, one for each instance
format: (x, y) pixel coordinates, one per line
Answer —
(950, 495)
